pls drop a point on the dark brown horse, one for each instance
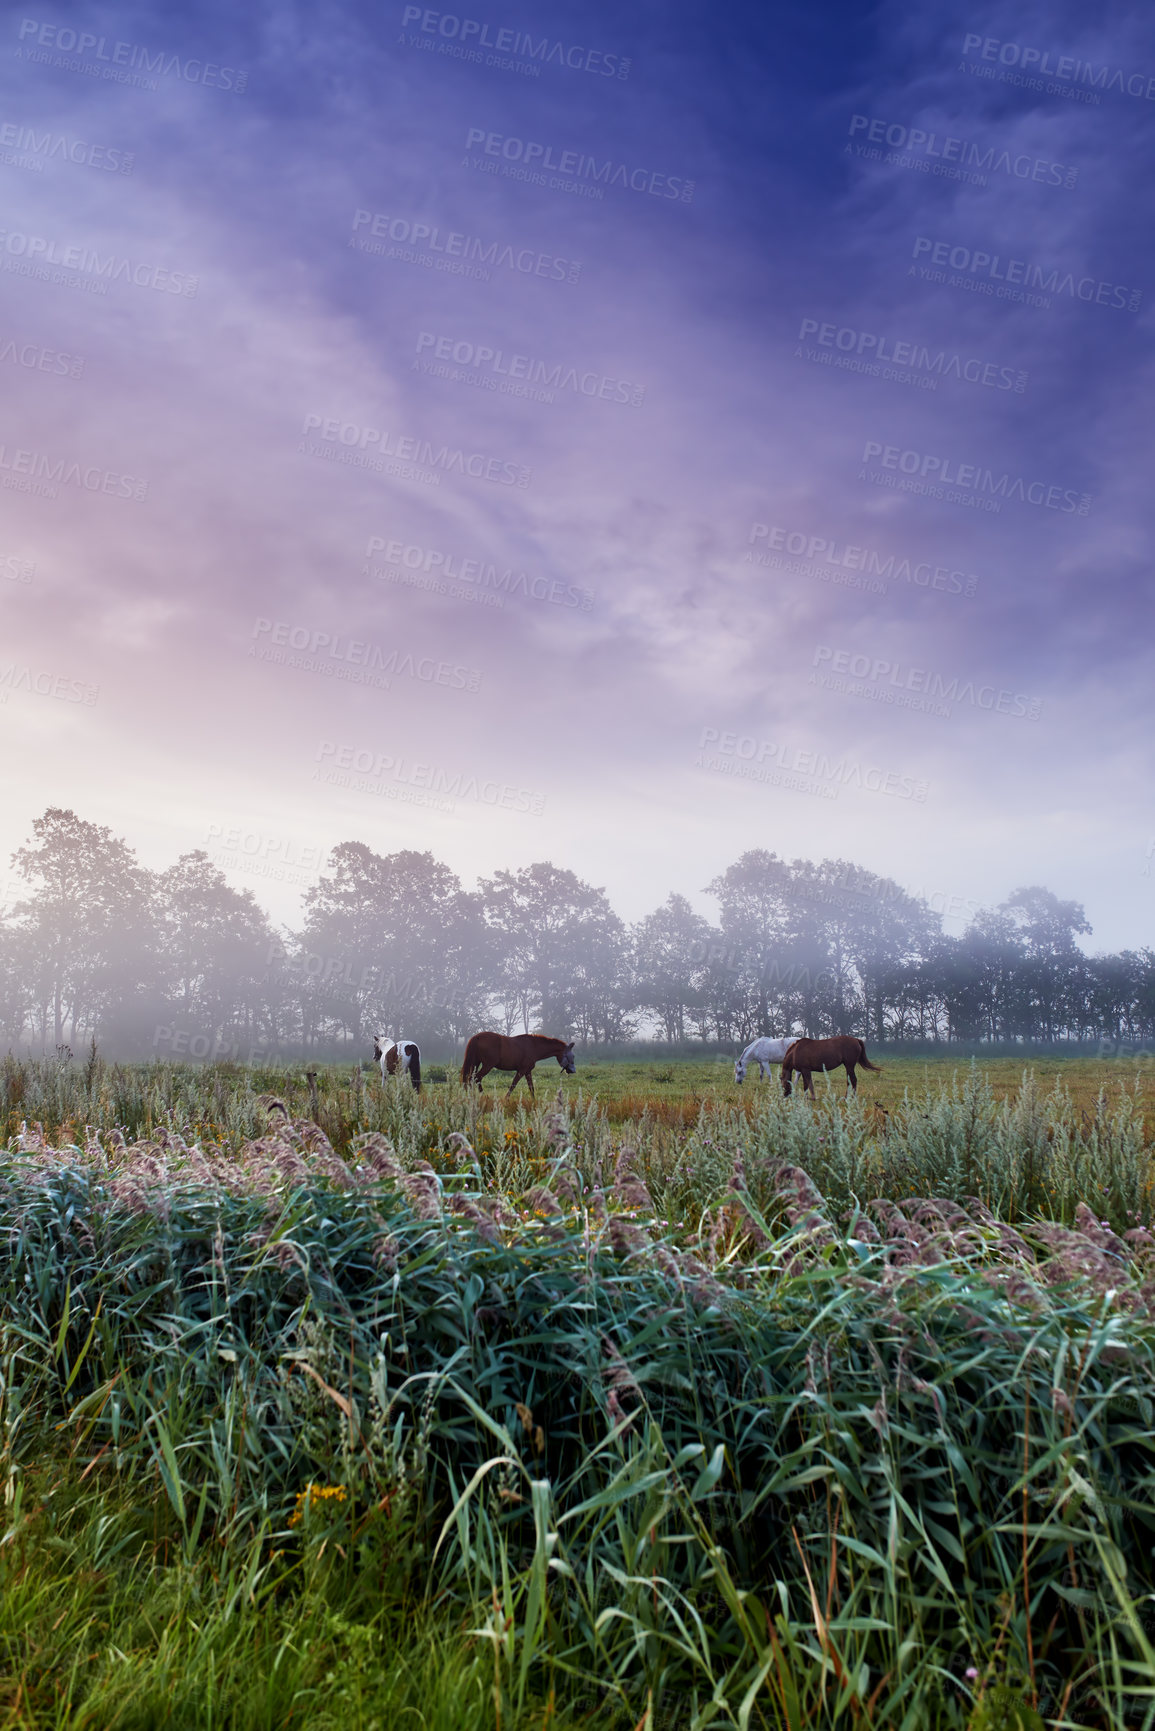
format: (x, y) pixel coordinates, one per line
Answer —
(806, 1056)
(517, 1052)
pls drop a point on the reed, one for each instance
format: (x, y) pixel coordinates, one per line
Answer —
(797, 1416)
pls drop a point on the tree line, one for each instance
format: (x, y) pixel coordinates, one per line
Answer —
(180, 963)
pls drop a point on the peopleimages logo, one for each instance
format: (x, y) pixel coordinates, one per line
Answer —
(423, 455)
(476, 34)
(889, 682)
(1066, 68)
(36, 472)
(318, 650)
(50, 145)
(35, 253)
(498, 370)
(917, 356)
(36, 358)
(888, 567)
(993, 267)
(14, 569)
(119, 61)
(916, 144)
(933, 474)
(532, 156)
(801, 771)
(370, 771)
(266, 856)
(447, 250)
(14, 677)
(447, 571)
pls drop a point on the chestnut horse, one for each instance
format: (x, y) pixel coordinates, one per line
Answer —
(808, 1055)
(517, 1052)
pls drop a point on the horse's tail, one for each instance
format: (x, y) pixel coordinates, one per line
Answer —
(865, 1061)
(472, 1061)
(415, 1068)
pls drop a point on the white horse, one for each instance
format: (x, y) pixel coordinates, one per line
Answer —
(397, 1056)
(763, 1053)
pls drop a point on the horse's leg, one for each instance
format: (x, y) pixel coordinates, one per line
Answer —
(851, 1078)
(517, 1075)
(787, 1072)
(808, 1082)
(481, 1072)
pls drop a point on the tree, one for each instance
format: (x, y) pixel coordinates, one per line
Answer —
(1046, 928)
(15, 976)
(670, 948)
(215, 947)
(89, 927)
(879, 929)
(559, 946)
(994, 955)
(756, 924)
(392, 944)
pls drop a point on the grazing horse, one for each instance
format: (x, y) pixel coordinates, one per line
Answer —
(808, 1055)
(517, 1052)
(763, 1053)
(397, 1057)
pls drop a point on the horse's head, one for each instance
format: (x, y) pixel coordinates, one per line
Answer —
(379, 1044)
(566, 1060)
(739, 1069)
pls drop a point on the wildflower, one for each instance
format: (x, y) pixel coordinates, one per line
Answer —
(312, 1495)
(542, 1201)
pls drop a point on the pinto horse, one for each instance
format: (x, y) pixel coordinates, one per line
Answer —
(518, 1052)
(808, 1055)
(763, 1053)
(397, 1057)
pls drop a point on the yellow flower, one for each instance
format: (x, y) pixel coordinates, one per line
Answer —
(315, 1494)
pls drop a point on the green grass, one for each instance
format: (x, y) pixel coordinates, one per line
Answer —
(107, 1623)
(619, 1416)
(667, 1083)
(220, 1101)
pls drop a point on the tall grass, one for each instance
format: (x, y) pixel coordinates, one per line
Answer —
(1026, 1155)
(106, 1623)
(671, 1424)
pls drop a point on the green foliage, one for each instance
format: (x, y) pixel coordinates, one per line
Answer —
(106, 1624)
(639, 1428)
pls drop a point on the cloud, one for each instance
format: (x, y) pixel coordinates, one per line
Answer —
(395, 379)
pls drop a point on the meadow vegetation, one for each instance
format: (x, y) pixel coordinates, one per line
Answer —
(656, 1402)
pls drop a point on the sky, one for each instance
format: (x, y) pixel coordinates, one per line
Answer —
(620, 435)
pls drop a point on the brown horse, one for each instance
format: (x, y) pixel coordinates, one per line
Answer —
(517, 1052)
(806, 1056)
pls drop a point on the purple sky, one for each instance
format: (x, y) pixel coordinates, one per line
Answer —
(850, 283)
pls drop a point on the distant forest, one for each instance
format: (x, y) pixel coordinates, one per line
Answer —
(179, 963)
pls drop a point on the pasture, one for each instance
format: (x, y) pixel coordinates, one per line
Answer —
(656, 1402)
(676, 1087)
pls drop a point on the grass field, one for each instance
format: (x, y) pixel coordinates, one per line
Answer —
(672, 1091)
(679, 1087)
(656, 1402)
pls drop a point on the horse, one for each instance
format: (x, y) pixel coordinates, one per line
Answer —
(763, 1053)
(808, 1055)
(399, 1056)
(518, 1052)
